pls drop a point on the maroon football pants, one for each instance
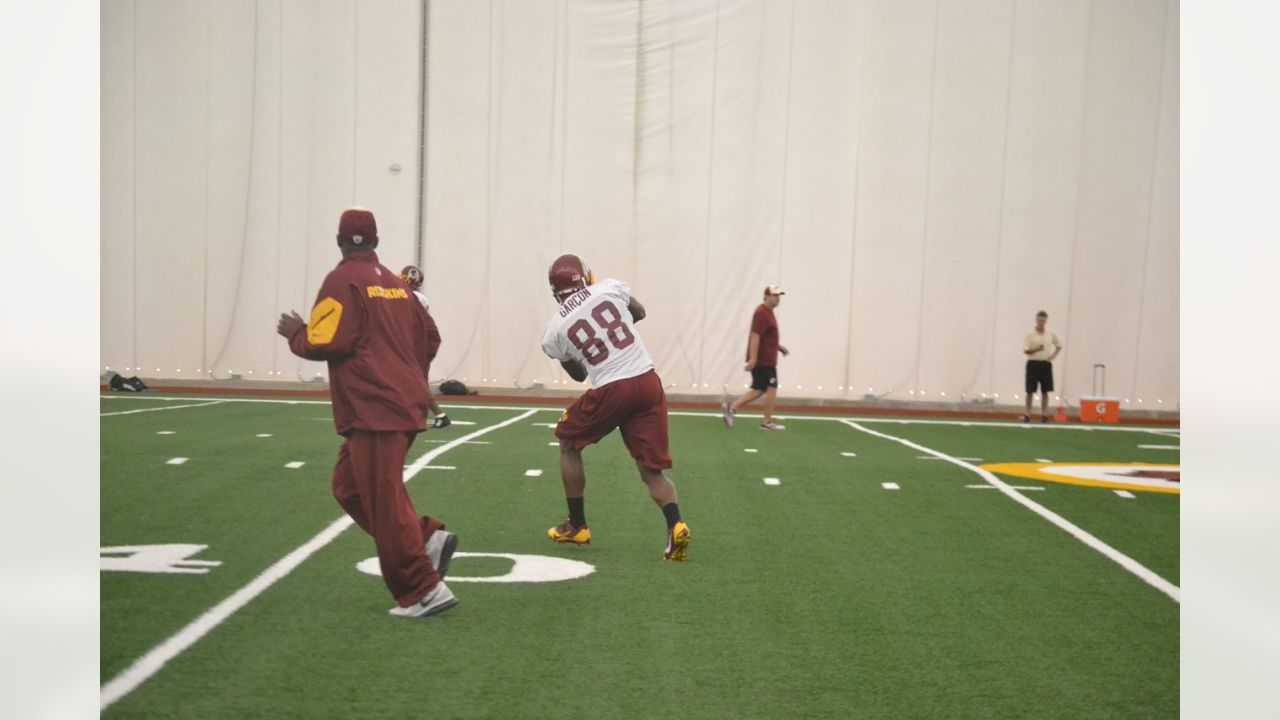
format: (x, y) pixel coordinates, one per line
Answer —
(368, 482)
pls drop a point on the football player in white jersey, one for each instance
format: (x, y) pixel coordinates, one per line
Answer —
(593, 335)
(412, 277)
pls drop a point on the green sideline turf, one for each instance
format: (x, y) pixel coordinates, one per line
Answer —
(825, 596)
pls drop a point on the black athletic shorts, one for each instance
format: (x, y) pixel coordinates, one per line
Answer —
(1039, 372)
(763, 378)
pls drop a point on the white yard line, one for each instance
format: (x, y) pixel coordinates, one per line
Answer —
(155, 659)
(772, 481)
(993, 487)
(158, 409)
(890, 486)
(1160, 447)
(1124, 561)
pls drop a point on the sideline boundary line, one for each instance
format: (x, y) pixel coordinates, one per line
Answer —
(717, 415)
(149, 664)
(1124, 561)
(156, 409)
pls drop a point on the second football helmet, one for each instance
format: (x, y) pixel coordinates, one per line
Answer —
(412, 277)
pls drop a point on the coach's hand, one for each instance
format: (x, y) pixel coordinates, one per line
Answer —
(289, 324)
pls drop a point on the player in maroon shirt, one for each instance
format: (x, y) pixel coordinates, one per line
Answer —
(762, 361)
(374, 334)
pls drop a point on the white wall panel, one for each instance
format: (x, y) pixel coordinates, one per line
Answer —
(1122, 106)
(1042, 177)
(1156, 370)
(117, 172)
(171, 158)
(893, 164)
(457, 212)
(966, 191)
(818, 210)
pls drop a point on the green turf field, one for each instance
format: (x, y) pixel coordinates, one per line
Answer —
(823, 596)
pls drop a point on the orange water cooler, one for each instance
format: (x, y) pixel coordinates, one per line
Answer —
(1098, 407)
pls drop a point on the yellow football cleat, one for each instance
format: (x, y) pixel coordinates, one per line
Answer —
(567, 533)
(677, 542)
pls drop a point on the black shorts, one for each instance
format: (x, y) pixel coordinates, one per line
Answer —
(1039, 372)
(763, 378)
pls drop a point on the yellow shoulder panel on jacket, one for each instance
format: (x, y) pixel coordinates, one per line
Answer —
(324, 321)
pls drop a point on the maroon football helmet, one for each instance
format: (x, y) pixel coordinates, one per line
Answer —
(569, 274)
(411, 276)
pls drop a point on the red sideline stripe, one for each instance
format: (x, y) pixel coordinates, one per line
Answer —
(564, 402)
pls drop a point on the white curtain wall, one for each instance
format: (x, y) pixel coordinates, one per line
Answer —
(922, 176)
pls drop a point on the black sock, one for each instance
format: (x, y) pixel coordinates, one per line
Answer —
(577, 515)
(672, 513)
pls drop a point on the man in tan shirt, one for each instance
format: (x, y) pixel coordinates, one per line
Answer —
(1041, 347)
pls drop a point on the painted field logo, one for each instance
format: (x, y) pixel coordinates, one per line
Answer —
(524, 568)
(1134, 476)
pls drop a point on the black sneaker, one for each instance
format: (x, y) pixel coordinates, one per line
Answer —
(442, 421)
(1026, 418)
(1044, 418)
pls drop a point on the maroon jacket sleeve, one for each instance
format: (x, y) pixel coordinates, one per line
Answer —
(336, 324)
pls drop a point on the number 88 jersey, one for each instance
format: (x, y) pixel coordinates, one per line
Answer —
(593, 326)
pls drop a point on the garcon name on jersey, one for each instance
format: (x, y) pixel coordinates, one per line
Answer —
(377, 291)
(575, 300)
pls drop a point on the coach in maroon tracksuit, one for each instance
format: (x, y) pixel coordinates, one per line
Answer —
(374, 335)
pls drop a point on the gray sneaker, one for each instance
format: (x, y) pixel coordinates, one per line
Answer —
(726, 410)
(440, 547)
(439, 599)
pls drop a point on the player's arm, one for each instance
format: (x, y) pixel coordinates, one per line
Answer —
(753, 350)
(336, 323)
(575, 369)
(553, 345)
(1058, 348)
(1028, 348)
(637, 310)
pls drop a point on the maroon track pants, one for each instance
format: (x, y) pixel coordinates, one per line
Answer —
(368, 482)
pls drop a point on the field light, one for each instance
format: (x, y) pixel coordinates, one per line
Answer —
(1139, 401)
(943, 394)
(911, 392)
(996, 396)
(1158, 400)
(819, 387)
